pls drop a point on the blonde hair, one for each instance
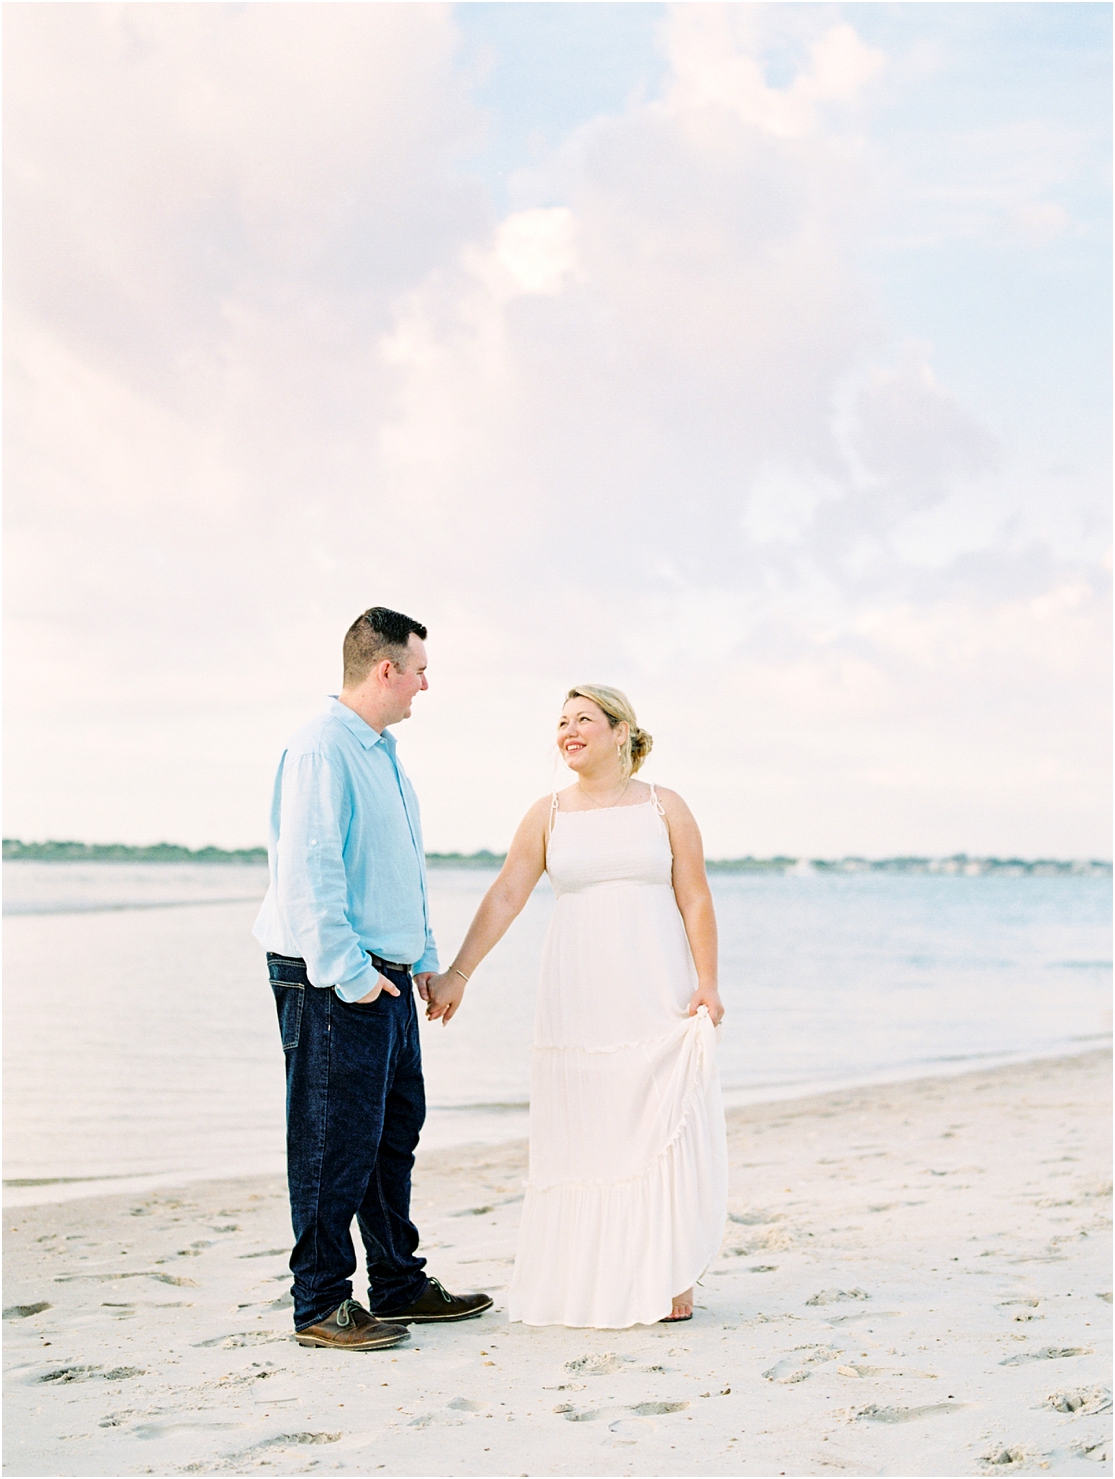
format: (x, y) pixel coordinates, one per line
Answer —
(617, 710)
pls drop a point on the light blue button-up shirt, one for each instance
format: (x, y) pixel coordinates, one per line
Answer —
(348, 873)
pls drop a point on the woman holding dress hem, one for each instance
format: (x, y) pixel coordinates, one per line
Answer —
(626, 1197)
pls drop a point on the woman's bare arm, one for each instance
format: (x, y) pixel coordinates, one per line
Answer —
(526, 862)
(694, 901)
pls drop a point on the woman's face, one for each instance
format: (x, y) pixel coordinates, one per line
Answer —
(584, 736)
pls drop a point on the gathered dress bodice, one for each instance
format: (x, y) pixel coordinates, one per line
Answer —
(618, 844)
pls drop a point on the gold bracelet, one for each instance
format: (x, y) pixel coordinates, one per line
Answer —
(461, 974)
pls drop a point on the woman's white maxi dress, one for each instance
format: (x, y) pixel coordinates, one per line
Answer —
(627, 1191)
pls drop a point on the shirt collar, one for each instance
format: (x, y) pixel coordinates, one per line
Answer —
(367, 736)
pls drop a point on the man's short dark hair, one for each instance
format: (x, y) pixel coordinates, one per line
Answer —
(375, 635)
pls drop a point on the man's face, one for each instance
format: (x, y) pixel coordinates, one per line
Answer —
(403, 683)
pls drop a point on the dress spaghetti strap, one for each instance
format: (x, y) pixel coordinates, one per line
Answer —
(553, 814)
(660, 809)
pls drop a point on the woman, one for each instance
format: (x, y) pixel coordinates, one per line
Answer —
(627, 1191)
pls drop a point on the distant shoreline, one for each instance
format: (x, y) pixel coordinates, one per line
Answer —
(170, 852)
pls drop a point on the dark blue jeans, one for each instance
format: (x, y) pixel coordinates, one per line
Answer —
(355, 1103)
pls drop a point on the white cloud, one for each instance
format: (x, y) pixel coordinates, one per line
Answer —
(537, 249)
(782, 503)
(716, 64)
(905, 437)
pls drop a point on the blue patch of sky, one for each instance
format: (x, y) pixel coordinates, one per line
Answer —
(1019, 327)
(545, 67)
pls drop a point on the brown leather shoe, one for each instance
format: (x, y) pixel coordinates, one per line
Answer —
(351, 1328)
(436, 1305)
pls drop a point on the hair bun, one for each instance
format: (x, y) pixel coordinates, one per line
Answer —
(641, 744)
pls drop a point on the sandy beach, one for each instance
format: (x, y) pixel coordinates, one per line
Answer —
(916, 1279)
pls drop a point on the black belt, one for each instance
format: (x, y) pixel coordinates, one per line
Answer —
(387, 965)
(377, 960)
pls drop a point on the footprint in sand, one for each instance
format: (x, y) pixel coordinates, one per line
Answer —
(65, 1374)
(903, 1414)
(1082, 1400)
(1047, 1353)
(794, 1367)
(23, 1311)
(836, 1296)
(602, 1365)
(619, 1414)
(466, 1404)
(1002, 1457)
(178, 1279)
(1097, 1452)
(238, 1462)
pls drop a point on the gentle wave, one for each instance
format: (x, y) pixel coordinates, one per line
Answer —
(74, 907)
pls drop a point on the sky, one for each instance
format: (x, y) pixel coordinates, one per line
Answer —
(754, 359)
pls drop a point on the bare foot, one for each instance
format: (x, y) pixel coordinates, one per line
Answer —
(682, 1308)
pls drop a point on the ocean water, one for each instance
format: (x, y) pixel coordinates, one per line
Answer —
(140, 1045)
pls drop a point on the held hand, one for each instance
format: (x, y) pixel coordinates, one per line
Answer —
(445, 992)
(382, 984)
(422, 981)
(708, 996)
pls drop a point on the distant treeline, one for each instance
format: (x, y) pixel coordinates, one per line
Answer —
(170, 852)
(120, 852)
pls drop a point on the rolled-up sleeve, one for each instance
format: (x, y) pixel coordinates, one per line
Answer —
(429, 961)
(311, 885)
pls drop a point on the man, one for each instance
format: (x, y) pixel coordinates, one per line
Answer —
(346, 928)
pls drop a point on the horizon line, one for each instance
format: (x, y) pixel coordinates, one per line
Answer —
(56, 850)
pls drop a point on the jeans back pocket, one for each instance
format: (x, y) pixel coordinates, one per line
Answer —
(289, 997)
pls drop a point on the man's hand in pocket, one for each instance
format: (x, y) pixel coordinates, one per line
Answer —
(382, 984)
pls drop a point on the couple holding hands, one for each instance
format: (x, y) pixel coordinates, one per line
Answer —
(627, 1189)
